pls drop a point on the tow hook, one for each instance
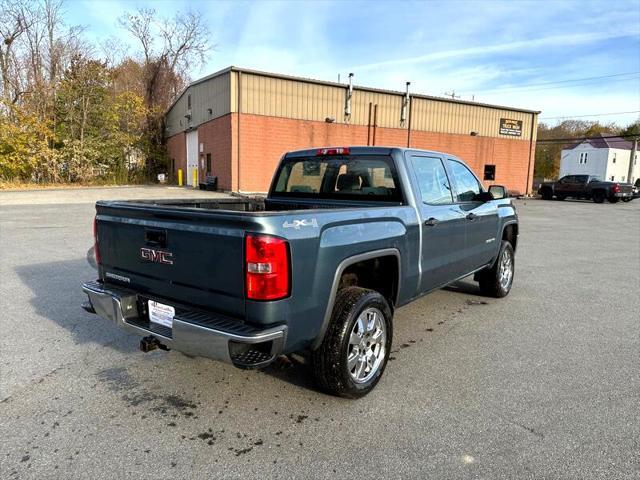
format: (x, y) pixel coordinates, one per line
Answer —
(151, 343)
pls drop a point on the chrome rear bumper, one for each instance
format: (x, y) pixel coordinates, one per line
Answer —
(193, 333)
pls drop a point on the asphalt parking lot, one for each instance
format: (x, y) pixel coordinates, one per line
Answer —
(542, 384)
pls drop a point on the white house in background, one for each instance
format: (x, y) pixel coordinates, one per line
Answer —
(607, 158)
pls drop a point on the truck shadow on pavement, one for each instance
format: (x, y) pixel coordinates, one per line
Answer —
(464, 286)
(57, 295)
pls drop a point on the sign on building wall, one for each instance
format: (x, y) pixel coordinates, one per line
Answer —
(510, 127)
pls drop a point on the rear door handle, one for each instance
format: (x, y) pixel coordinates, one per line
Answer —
(432, 222)
(472, 216)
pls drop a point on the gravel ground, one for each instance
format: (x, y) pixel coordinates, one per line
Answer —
(542, 384)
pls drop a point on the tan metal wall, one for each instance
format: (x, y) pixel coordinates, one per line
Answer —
(305, 100)
(448, 117)
(388, 111)
(214, 94)
(278, 97)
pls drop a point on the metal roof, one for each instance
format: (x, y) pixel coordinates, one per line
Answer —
(605, 141)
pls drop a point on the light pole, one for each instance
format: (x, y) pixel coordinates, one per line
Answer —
(632, 158)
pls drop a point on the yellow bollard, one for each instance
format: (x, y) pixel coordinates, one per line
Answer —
(195, 178)
(179, 177)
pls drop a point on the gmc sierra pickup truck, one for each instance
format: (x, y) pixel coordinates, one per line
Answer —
(344, 237)
(588, 187)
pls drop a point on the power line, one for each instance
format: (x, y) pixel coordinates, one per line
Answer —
(592, 115)
(614, 138)
(557, 82)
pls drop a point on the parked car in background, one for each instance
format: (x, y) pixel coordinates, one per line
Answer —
(345, 237)
(586, 187)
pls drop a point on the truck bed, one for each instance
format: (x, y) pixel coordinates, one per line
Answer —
(253, 204)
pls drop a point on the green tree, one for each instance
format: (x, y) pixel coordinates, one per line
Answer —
(100, 130)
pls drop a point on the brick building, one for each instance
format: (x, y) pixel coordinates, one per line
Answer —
(236, 124)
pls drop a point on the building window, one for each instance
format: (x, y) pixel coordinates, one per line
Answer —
(613, 178)
(208, 163)
(489, 172)
(622, 179)
(614, 158)
(585, 157)
(189, 102)
(581, 155)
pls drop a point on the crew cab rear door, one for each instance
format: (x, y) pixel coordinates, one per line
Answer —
(567, 186)
(442, 255)
(481, 234)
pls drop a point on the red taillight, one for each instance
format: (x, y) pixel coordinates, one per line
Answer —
(615, 188)
(267, 267)
(96, 247)
(332, 151)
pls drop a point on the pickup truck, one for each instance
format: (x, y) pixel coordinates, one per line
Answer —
(345, 236)
(587, 187)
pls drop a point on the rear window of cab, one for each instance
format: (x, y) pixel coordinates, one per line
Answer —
(356, 177)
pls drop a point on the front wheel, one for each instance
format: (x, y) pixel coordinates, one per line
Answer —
(356, 345)
(546, 194)
(496, 281)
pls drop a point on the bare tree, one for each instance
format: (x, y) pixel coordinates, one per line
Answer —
(169, 48)
(16, 18)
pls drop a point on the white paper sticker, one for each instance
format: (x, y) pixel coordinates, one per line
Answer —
(161, 314)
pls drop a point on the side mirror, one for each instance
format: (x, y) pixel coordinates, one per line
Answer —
(498, 192)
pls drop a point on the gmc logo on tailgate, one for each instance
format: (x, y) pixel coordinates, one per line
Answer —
(156, 256)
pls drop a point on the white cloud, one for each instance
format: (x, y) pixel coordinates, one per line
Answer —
(485, 50)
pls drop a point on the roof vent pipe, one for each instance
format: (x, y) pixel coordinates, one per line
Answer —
(347, 104)
(405, 103)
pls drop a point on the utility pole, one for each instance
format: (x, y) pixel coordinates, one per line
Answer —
(632, 158)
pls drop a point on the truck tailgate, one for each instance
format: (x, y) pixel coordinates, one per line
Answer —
(174, 254)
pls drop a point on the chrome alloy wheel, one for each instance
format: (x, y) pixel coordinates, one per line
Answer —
(505, 274)
(367, 345)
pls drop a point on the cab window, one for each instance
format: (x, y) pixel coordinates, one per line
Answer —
(467, 185)
(432, 180)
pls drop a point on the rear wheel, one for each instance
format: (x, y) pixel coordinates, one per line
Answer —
(560, 197)
(355, 349)
(598, 196)
(496, 281)
(546, 194)
(613, 199)
(627, 199)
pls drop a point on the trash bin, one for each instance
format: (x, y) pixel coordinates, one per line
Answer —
(211, 183)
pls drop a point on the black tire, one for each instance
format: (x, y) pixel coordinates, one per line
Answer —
(560, 197)
(613, 199)
(598, 196)
(490, 278)
(627, 199)
(330, 367)
(547, 194)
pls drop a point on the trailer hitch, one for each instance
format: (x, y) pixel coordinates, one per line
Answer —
(151, 343)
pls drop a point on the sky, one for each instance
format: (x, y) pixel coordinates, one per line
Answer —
(568, 59)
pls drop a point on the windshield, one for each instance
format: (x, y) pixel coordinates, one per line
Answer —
(349, 177)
